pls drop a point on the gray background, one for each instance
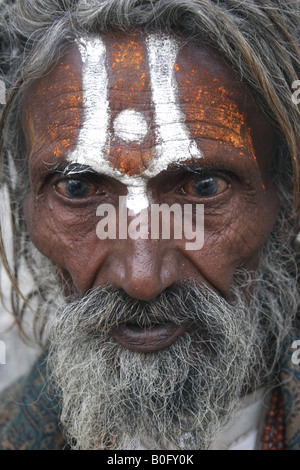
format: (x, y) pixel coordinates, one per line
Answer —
(18, 355)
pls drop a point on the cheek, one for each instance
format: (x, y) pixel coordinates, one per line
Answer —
(60, 234)
(69, 240)
(234, 239)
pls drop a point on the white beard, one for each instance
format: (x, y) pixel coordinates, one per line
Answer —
(179, 397)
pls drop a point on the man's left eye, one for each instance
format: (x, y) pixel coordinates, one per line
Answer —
(75, 188)
(206, 186)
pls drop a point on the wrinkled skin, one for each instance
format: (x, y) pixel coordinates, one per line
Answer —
(239, 215)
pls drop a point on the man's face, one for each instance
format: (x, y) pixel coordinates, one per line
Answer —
(156, 120)
(164, 339)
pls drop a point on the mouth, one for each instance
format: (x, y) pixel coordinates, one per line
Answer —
(138, 339)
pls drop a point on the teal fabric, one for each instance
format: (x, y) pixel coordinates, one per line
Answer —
(290, 387)
(29, 415)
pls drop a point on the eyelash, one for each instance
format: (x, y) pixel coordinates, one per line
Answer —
(88, 176)
(84, 178)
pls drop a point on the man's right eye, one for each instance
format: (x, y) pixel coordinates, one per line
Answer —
(75, 188)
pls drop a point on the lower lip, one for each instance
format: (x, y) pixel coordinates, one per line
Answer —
(146, 340)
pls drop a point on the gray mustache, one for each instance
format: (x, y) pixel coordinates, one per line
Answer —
(102, 310)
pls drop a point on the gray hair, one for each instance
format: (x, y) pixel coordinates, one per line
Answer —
(259, 40)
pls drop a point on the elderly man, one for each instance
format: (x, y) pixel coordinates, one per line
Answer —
(117, 107)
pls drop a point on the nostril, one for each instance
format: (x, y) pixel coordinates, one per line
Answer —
(141, 268)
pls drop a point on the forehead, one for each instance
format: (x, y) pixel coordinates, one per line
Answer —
(140, 102)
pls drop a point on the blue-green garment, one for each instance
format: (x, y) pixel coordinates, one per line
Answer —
(29, 414)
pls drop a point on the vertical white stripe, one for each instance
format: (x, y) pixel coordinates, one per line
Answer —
(2, 92)
(93, 140)
(174, 142)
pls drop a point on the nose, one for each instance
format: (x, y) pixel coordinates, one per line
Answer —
(142, 268)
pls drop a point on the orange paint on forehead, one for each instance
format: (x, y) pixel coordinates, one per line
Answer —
(70, 102)
(129, 89)
(57, 104)
(210, 103)
(211, 107)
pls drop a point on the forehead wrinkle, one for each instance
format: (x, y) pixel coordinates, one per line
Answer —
(221, 114)
(214, 100)
(219, 134)
(54, 103)
(131, 61)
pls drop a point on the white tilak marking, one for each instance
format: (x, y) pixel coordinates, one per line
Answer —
(94, 138)
(137, 198)
(131, 126)
(174, 142)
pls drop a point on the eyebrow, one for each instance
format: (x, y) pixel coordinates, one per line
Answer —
(69, 169)
(190, 167)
